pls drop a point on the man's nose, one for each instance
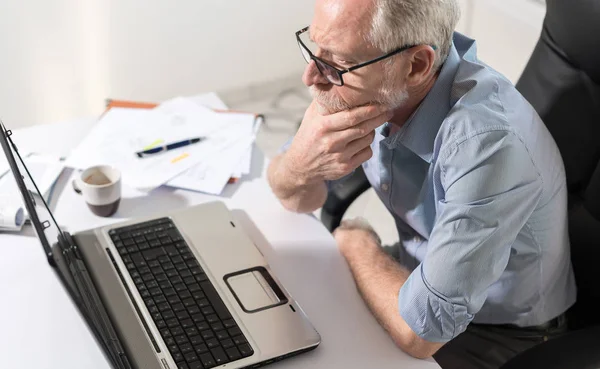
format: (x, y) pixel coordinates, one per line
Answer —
(312, 76)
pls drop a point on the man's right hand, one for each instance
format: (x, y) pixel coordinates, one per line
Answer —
(328, 147)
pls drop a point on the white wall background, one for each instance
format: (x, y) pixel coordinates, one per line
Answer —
(62, 58)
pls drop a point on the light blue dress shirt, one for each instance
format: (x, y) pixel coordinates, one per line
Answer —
(477, 187)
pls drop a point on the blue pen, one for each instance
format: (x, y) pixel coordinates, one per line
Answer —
(171, 146)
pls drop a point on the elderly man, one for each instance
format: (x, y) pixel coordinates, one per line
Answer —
(473, 179)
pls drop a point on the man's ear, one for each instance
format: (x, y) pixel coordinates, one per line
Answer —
(420, 62)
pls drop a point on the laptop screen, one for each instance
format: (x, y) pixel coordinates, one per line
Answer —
(36, 209)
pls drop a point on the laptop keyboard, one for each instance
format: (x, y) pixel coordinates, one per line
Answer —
(196, 326)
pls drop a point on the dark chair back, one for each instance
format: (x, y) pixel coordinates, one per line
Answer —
(562, 82)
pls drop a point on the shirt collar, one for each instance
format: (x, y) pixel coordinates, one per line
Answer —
(419, 132)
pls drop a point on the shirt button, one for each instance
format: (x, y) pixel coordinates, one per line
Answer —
(385, 187)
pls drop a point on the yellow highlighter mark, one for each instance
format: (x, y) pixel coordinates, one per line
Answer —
(153, 144)
(180, 157)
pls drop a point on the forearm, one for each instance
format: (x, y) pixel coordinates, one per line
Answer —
(293, 192)
(379, 279)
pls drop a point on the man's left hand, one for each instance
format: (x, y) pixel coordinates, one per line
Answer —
(355, 234)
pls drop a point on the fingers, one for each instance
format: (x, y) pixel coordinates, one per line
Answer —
(362, 156)
(359, 144)
(353, 117)
(364, 128)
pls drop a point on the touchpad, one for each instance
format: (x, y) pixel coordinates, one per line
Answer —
(255, 290)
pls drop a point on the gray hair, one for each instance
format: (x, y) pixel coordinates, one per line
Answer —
(415, 22)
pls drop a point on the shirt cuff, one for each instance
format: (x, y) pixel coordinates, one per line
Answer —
(428, 313)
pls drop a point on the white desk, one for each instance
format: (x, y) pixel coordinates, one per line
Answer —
(40, 328)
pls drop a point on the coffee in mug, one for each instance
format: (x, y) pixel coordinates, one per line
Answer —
(100, 187)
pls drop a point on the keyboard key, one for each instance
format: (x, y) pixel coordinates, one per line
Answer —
(197, 318)
(147, 277)
(153, 309)
(191, 331)
(156, 316)
(194, 287)
(203, 303)
(196, 365)
(238, 340)
(208, 310)
(176, 279)
(189, 280)
(201, 277)
(165, 333)
(178, 357)
(170, 267)
(172, 274)
(164, 259)
(143, 246)
(198, 295)
(191, 356)
(154, 243)
(181, 315)
(160, 299)
(128, 242)
(202, 326)
(174, 299)
(229, 323)
(219, 356)
(245, 350)
(185, 273)
(193, 310)
(172, 323)
(161, 277)
(186, 348)
(164, 284)
(201, 348)
(169, 292)
(183, 365)
(170, 341)
(185, 294)
(160, 324)
(180, 287)
(196, 340)
(207, 360)
(222, 335)
(217, 326)
(180, 340)
(145, 294)
(171, 251)
(153, 263)
(233, 353)
(144, 270)
(181, 267)
(212, 318)
(156, 270)
(127, 259)
(169, 314)
(177, 259)
(155, 291)
(177, 331)
(187, 256)
(189, 302)
(139, 239)
(235, 331)
(195, 269)
(149, 302)
(178, 307)
(187, 323)
(131, 249)
(130, 266)
(152, 284)
(227, 343)
(212, 343)
(207, 334)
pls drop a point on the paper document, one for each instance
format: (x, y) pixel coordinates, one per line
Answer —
(211, 176)
(210, 100)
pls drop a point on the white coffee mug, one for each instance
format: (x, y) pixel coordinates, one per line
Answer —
(100, 187)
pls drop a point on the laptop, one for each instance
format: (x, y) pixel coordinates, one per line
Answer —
(186, 289)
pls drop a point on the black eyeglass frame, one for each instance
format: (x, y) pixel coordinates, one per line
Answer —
(341, 72)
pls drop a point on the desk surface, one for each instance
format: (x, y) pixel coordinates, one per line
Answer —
(40, 327)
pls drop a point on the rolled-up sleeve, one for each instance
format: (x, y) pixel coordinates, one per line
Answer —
(490, 187)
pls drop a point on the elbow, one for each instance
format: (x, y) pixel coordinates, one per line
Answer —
(294, 205)
(416, 346)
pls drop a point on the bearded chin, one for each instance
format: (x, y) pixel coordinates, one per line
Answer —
(331, 104)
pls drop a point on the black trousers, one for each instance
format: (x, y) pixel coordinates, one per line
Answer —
(489, 347)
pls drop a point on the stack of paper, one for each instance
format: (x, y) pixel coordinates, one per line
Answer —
(207, 166)
(45, 170)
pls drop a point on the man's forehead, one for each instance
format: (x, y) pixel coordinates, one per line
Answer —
(340, 21)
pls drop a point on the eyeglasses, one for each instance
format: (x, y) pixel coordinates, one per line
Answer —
(333, 74)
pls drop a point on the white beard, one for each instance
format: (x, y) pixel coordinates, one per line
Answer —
(330, 103)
